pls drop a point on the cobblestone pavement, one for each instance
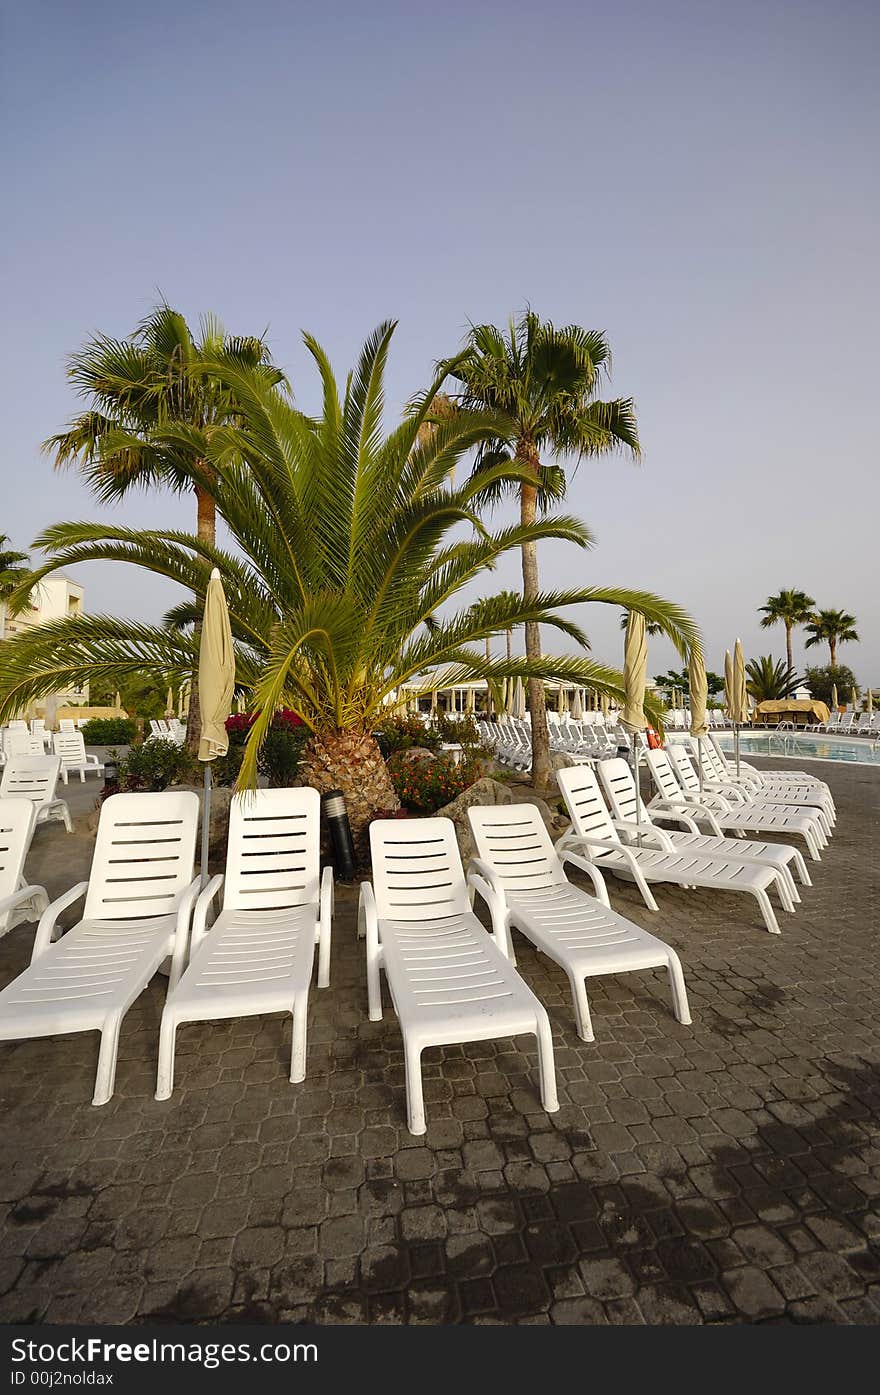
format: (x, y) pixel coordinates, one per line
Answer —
(719, 1173)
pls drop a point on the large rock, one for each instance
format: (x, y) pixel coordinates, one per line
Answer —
(484, 791)
(417, 755)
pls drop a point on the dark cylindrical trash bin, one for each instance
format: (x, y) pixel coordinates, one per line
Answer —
(344, 865)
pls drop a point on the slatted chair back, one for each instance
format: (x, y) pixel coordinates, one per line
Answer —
(417, 871)
(70, 746)
(617, 781)
(67, 724)
(16, 826)
(663, 775)
(584, 802)
(688, 778)
(144, 855)
(21, 743)
(513, 839)
(273, 852)
(32, 777)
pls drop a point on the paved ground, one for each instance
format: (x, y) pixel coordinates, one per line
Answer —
(720, 1173)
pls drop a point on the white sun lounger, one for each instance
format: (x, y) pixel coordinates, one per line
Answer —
(18, 901)
(522, 877)
(678, 785)
(798, 778)
(746, 787)
(259, 954)
(71, 747)
(35, 778)
(655, 858)
(139, 900)
(449, 980)
(620, 791)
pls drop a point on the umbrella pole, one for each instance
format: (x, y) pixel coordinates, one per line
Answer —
(736, 745)
(206, 825)
(700, 762)
(636, 747)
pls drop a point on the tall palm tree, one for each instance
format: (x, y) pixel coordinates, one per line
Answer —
(14, 571)
(134, 388)
(789, 607)
(540, 384)
(831, 627)
(346, 543)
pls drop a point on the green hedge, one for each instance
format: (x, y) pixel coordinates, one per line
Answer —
(109, 731)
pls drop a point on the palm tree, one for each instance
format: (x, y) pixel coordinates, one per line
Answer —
(768, 678)
(791, 608)
(539, 382)
(831, 627)
(345, 543)
(14, 571)
(134, 388)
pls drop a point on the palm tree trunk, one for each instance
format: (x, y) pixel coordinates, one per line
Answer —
(351, 761)
(832, 648)
(206, 531)
(537, 697)
(788, 629)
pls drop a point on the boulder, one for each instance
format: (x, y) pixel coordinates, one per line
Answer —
(484, 791)
(417, 755)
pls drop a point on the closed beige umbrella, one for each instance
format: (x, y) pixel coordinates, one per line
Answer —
(577, 707)
(469, 703)
(169, 703)
(117, 701)
(728, 685)
(870, 707)
(563, 699)
(740, 696)
(635, 670)
(605, 704)
(834, 702)
(519, 700)
(699, 694)
(216, 686)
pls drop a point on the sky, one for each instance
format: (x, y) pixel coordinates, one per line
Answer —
(697, 179)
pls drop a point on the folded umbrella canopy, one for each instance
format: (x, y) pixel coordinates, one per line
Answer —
(519, 700)
(635, 672)
(577, 707)
(216, 686)
(834, 703)
(870, 707)
(740, 709)
(699, 693)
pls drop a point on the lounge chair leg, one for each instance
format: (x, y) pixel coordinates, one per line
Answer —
(298, 1038)
(679, 992)
(801, 869)
(167, 1041)
(767, 911)
(546, 1068)
(106, 1073)
(374, 988)
(785, 896)
(581, 1008)
(415, 1100)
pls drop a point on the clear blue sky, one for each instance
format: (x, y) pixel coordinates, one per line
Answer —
(698, 179)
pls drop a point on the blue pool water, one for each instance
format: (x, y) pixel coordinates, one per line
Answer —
(854, 750)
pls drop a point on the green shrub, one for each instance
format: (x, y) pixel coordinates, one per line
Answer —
(402, 733)
(460, 731)
(154, 765)
(280, 754)
(109, 731)
(821, 680)
(424, 786)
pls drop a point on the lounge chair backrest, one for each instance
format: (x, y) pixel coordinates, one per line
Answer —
(67, 724)
(663, 775)
(70, 746)
(273, 851)
(714, 765)
(617, 781)
(18, 724)
(21, 743)
(16, 826)
(684, 769)
(417, 871)
(31, 777)
(513, 839)
(38, 726)
(144, 854)
(584, 802)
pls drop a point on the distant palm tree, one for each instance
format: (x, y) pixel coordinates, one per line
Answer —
(135, 388)
(831, 627)
(540, 382)
(14, 568)
(768, 678)
(790, 608)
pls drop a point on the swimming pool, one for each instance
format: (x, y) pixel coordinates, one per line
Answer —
(853, 750)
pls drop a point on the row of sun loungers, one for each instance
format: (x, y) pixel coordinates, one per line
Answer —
(450, 980)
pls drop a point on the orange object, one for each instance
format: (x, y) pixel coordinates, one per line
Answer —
(654, 742)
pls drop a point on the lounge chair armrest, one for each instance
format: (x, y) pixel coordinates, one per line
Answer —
(24, 893)
(592, 872)
(368, 916)
(46, 927)
(675, 814)
(483, 879)
(202, 906)
(188, 900)
(325, 925)
(645, 831)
